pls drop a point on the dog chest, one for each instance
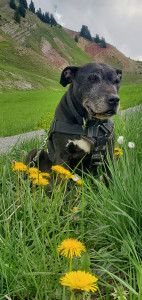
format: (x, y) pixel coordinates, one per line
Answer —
(80, 143)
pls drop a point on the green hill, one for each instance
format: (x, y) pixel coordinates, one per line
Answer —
(32, 53)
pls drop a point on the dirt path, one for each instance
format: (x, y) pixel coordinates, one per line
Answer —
(7, 143)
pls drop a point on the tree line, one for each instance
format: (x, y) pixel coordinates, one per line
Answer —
(85, 33)
(20, 11)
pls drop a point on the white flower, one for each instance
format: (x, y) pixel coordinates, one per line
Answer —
(116, 294)
(75, 178)
(131, 145)
(120, 139)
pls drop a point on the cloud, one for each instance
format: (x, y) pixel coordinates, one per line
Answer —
(58, 18)
(119, 21)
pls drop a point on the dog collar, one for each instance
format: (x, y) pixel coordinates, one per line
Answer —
(72, 108)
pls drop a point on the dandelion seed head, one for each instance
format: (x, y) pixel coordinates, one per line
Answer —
(131, 145)
(120, 139)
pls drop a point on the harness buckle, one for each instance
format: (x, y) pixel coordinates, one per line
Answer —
(90, 132)
(96, 159)
(104, 129)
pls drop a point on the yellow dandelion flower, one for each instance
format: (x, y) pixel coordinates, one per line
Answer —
(35, 176)
(72, 177)
(75, 208)
(33, 170)
(71, 247)
(79, 182)
(45, 174)
(61, 170)
(41, 181)
(19, 166)
(80, 280)
(118, 151)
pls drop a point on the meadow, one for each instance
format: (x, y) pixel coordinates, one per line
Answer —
(108, 222)
(21, 111)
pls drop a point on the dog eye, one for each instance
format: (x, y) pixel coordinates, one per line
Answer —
(117, 81)
(94, 78)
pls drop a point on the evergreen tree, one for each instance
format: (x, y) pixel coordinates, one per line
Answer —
(85, 33)
(102, 43)
(23, 3)
(52, 20)
(22, 11)
(97, 39)
(39, 14)
(47, 18)
(32, 7)
(12, 4)
(43, 18)
(17, 17)
(76, 39)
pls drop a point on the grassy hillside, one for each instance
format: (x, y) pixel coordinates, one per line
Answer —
(33, 53)
(132, 70)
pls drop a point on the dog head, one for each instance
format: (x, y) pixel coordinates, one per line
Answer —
(95, 86)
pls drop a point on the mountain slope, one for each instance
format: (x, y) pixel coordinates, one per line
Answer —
(132, 70)
(109, 55)
(32, 53)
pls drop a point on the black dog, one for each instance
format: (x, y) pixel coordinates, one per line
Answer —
(81, 129)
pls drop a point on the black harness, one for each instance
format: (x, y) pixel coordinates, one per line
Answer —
(97, 132)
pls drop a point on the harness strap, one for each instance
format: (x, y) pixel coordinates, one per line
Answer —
(96, 132)
(63, 127)
(93, 131)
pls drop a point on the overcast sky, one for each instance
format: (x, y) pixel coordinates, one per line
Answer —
(118, 21)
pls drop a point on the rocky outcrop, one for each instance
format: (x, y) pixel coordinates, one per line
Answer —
(52, 55)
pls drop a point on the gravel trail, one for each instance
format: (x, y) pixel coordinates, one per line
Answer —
(7, 143)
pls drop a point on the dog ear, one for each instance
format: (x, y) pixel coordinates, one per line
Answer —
(119, 73)
(67, 75)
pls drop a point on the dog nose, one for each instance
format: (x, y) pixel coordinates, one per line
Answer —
(113, 99)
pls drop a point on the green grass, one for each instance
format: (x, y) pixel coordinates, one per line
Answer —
(22, 110)
(108, 221)
(132, 78)
(31, 66)
(130, 95)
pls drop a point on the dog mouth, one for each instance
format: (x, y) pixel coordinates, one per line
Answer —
(107, 114)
